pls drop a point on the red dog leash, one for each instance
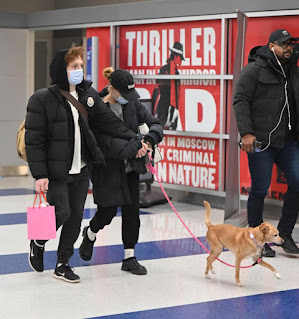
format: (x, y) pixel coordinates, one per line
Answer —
(150, 166)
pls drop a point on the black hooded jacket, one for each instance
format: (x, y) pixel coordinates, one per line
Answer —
(260, 98)
(110, 187)
(49, 124)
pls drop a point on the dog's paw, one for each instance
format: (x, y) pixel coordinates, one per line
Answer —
(239, 284)
(277, 275)
(213, 271)
(207, 276)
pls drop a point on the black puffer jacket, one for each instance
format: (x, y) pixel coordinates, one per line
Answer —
(135, 114)
(49, 136)
(110, 182)
(260, 98)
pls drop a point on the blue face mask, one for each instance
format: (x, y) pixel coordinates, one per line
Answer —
(121, 100)
(76, 76)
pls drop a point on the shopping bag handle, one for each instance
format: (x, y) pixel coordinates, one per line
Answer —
(40, 198)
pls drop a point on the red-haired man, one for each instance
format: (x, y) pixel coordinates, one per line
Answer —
(60, 144)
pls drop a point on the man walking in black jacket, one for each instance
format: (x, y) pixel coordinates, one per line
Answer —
(266, 105)
(60, 144)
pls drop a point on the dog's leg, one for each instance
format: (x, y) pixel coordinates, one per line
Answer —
(208, 268)
(215, 252)
(237, 271)
(266, 265)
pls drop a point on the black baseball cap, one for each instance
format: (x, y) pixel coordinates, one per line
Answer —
(123, 81)
(280, 36)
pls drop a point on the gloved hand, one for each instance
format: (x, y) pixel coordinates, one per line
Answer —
(100, 159)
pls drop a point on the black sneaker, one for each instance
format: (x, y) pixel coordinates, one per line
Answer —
(66, 273)
(36, 257)
(289, 245)
(268, 251)
(86, 247)
(131, 264)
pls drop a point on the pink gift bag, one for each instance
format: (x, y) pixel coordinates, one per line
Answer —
(41, 220)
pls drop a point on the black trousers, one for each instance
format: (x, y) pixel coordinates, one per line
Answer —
(69, 199)
(260, 166)
(130, 214)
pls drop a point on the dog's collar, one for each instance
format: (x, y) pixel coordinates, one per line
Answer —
(254, 240)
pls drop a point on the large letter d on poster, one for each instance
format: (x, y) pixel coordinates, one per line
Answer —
(208, 120)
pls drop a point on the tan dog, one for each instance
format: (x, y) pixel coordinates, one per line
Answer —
(243, 242)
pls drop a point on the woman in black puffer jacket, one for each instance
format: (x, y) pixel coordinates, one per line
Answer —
(117, 184)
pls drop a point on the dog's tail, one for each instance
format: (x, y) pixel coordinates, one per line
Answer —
(208, 213)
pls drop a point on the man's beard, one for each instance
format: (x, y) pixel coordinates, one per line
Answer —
(286, 59)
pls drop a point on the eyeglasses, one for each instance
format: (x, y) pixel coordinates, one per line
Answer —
(284, 45)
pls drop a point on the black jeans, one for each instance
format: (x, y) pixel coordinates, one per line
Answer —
(69, 199)
(260, 166)
(130, 214)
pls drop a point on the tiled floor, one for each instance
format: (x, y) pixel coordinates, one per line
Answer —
(175, 286)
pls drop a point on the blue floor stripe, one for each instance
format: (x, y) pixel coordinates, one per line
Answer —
(16, 191)
(275, 305)
(13, 219)
(21, 218)
(18, 263)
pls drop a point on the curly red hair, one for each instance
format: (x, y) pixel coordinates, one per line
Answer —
(74, 53)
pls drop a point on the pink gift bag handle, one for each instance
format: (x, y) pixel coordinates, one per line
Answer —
(40, 198)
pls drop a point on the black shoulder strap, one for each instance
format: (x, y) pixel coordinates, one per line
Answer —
(75, 102)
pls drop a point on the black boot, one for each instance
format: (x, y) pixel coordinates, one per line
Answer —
(268, 251)
(289, 245)
(86, 247)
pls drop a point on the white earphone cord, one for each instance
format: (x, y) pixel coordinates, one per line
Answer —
(286, 104)
(285, 88)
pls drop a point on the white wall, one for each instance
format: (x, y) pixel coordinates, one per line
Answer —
(16, 86)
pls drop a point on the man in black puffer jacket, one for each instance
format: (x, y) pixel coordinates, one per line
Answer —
(266, 105)
(60, 144)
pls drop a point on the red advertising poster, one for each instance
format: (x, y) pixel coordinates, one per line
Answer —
(255, 37)
(189, 161)
(180, 48)
(103, 51)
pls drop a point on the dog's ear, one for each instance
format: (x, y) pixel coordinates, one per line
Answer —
(264, 228)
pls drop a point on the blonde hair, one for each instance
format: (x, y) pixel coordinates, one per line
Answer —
(107, 72)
